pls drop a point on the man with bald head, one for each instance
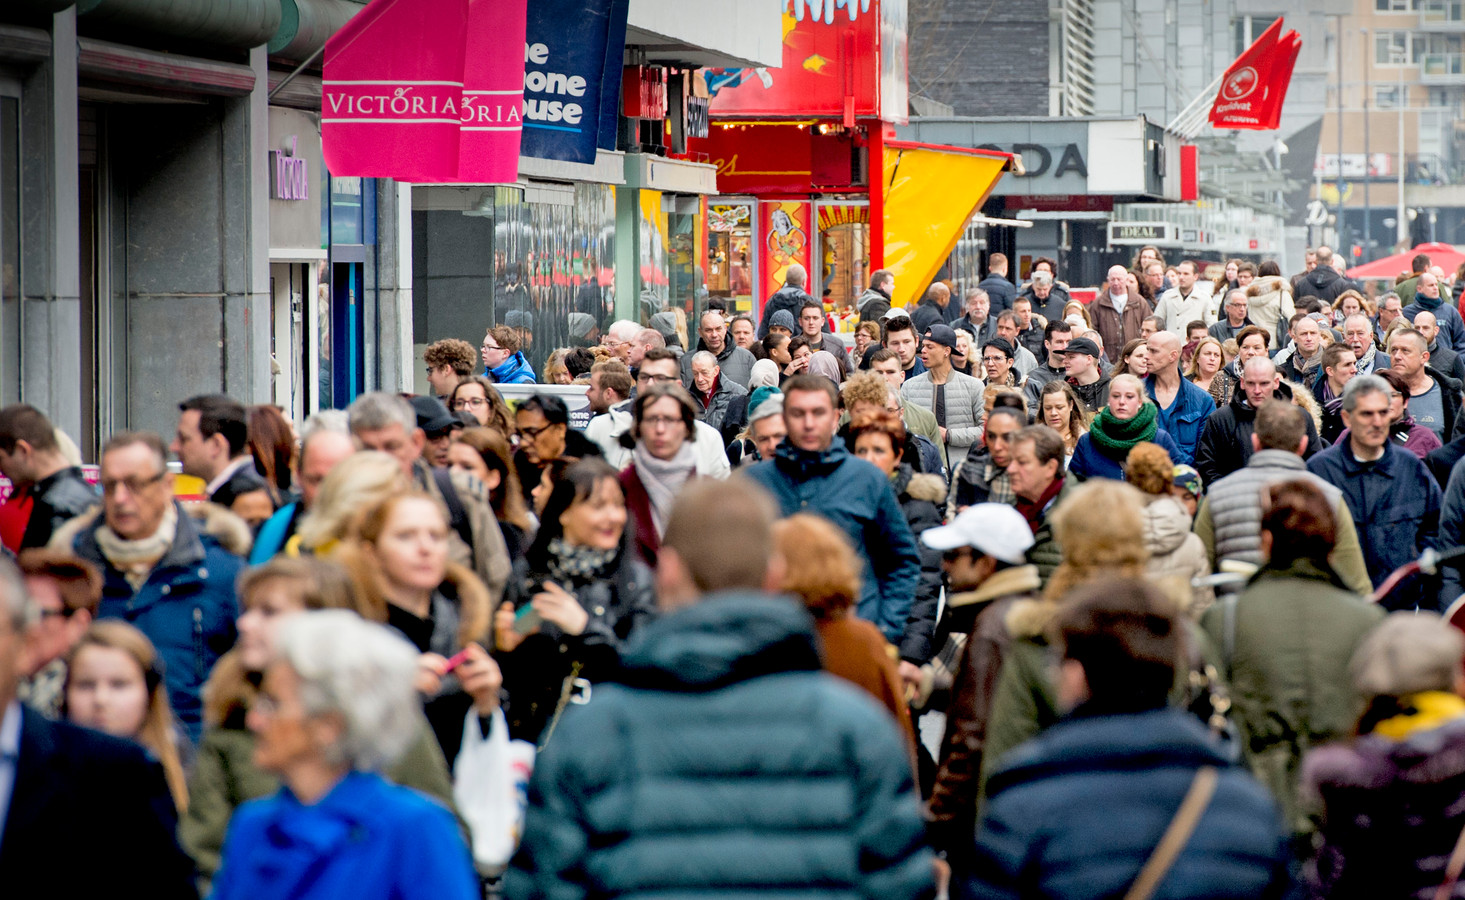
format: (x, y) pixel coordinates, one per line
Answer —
(1183, 406)
(791, 297)
(1428, 298)
(1118, 314)
(1225, 440)
(1441, 358)
(735, 362)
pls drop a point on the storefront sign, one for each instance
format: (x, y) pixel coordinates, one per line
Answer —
(785, 225)
(1122, 233)
(296, 176)
(564, 74)
(643, 92)
(289, 174)
(493, 96)
(393, 82)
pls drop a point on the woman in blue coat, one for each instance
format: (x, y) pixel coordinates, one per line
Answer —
(335, 707)
(1128, 419)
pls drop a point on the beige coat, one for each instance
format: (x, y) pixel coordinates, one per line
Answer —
(1176, 554)
(1269, 301)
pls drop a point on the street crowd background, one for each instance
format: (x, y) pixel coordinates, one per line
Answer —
(1013, 596)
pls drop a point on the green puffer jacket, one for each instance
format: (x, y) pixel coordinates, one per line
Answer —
(1296, 629)
(224, 774)
(724, 766)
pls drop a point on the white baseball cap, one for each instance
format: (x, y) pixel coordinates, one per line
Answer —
(895, 312)
(993, 529)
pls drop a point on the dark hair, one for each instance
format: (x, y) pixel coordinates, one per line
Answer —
(650, 395)
(272, 444)
(1396, 381)
(1269, 267)
(742, 318)
(1056, 325)
(77, 580)
(879, 275)
(23, 422)
(1002, 407)
(797, 343)
(548, 405)
(1124, 633)
(1280, 425)
(881, 354)
(1420, 262)
(773, 340)
(1193, 325)
(507, 500)
(1250, 330)
(579, 361)
(614, 376)
(1047, 444)
(1007, 315)
(812, 304)
(460, 355)
(656, 354)
(579, 481)
(1052, 266)
(1332, 353)
(218, 414)
(899, 323)
(500, 416)
(1300, 519)
(1002, 344)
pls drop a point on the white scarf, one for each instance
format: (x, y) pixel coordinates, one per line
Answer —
(663, 478)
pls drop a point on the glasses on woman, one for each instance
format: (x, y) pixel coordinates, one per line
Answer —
(661, 421)
(470, 403)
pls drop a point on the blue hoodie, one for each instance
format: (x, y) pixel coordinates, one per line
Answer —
(514, 370)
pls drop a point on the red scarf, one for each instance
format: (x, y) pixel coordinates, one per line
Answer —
(1032, 510)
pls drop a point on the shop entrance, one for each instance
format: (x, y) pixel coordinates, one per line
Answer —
(843, 251)
(293, 350)
(731, 260)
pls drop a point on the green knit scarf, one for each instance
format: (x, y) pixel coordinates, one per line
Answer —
(1116, 437)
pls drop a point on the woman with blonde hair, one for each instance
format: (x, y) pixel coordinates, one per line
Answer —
(1076, 308)
(823, 572)
(224, 772)
(1177, 554)
(358, 481)
(114, 683)
(398, 557)
(1207, 371)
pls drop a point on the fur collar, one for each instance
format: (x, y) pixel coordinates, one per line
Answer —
(229, 530)
(1017, 580)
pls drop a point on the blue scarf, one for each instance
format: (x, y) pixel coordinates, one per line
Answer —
(1430, 303)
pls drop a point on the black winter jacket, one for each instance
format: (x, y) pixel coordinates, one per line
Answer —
(1225, 439)
(921, 498)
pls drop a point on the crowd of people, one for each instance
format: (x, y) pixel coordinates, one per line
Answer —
(1014, 596)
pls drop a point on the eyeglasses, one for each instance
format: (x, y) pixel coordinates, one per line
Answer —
(659, 379)
(487, 347)
(134, 483)
(470, 403)
(531, 433)
(661, 421)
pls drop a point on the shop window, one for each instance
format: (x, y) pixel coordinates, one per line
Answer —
(730, 254)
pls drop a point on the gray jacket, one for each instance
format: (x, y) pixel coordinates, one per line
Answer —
(1229, 519)
(965, 409)
(735, 362)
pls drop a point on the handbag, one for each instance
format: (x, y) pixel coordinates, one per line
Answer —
(490, 787)
(1202, 789)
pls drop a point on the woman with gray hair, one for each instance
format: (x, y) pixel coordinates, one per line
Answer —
(336, 706)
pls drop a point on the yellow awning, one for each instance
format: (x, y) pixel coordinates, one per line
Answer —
(930, 193)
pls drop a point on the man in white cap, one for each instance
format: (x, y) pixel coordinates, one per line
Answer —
(984, 552)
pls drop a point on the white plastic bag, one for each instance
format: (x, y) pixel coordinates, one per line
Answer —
(490, 785)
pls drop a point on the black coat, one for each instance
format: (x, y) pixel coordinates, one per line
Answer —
(245, 480)
(1225, 439)
(56, 500)
(1000, 291)
(926, 314)
(69, 778)
(921, 498)
(1324, 283)
(787, 297)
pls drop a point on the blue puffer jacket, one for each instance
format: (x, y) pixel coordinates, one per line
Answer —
(724, 766)
(365, 839)
(1395, 504)
(514, 370)
(187, 607)
(1185, 417)
(857, 497)
(1075, 813)
(1090, 460)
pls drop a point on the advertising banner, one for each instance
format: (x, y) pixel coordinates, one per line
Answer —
(785, 227)
(1253, 88)
(565, 63)
(392, 88)
(493, 94)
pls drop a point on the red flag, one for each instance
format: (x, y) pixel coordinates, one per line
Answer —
(1253, 88)
(393, 90)
(493, 93)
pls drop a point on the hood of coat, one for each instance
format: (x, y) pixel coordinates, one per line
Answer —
(1269, 284)
(1166, 525)
(229, 530)
(1303, 397)
(918, 486)
(722, 640)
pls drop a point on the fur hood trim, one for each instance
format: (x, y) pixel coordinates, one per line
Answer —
(1269, 284)
(1030, 617)
(927, 487)
(1303, 397)
(229, 530)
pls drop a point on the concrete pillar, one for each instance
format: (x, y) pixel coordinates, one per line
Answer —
(51, 340)
(245, 232)
(628, 254)
(393, 367)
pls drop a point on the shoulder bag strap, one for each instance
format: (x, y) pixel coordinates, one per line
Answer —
(1452, 870)
(1202, 788)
